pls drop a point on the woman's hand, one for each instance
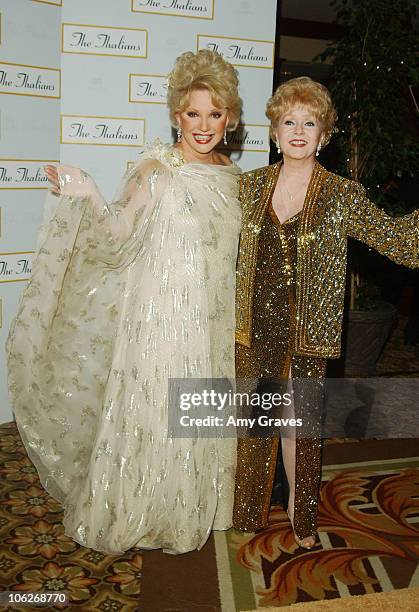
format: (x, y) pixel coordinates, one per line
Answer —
(69, 181)
(52, 175)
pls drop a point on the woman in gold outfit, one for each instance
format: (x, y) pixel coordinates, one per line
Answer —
(291, 278)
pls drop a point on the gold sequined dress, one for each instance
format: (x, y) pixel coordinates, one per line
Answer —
(289, 306)
(123, 297)
(270, 356)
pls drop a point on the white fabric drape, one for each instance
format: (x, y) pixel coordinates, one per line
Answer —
(122, 298)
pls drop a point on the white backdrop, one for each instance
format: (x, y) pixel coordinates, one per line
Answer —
(84, 82)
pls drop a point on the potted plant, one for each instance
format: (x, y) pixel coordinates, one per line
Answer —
(372, 82)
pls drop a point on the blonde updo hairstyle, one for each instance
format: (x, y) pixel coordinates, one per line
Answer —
(303, 91)
(204, 70)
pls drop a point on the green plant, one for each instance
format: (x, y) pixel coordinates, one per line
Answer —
(374, 71)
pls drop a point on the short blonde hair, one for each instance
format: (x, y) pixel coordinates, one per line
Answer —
(204, 70)
(303, 91)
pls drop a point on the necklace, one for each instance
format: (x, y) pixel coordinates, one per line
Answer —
(291, 196)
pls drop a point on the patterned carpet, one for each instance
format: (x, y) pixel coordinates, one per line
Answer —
(35, 555)
(368, 542)
(368, 537)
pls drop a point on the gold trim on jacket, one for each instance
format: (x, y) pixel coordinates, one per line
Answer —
(334, 208)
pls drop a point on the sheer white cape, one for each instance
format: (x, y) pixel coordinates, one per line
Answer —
(122, 297)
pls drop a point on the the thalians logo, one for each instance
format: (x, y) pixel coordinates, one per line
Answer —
(103, 131)
(23, 174)
(23, 80)
(148, 88)
(103, 40)
(249, 137)
(194, 9)
(15, 267)
(240, 51)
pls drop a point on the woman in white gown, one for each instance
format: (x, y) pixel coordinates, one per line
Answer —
(122, 298)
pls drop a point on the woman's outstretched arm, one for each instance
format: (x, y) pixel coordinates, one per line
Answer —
(395, 237)
(112, 223)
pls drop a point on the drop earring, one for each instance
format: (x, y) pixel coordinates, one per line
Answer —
(179, 134)
(319, 146)
(225, 136)
(278, 148)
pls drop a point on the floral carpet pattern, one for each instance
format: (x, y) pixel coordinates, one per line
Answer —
(36, 555)
(368, 542)
(368, 538)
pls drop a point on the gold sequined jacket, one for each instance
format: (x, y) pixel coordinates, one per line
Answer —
(334, 209)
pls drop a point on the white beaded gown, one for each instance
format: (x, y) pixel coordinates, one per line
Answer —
(123, 297)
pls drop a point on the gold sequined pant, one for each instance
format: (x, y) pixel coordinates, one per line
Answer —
(257, 458)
